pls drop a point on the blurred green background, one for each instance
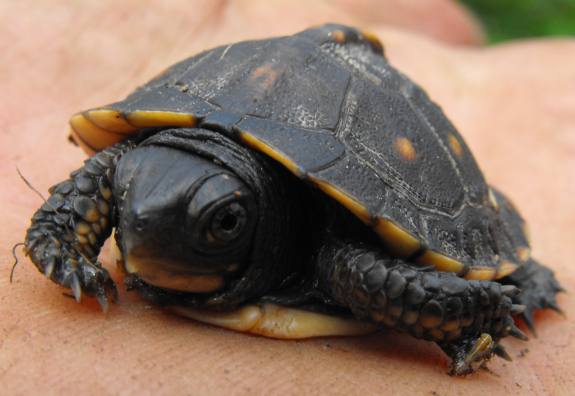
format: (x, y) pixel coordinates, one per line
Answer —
(511, 19)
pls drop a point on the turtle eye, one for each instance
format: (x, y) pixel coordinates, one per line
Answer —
(221, 215)
(229, 222)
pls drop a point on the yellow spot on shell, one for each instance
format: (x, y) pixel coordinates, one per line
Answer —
(268, 73)
(455, 145)
(338, 36)
(404, 148)
(276, 321)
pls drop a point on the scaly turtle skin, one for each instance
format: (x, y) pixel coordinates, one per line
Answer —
(300, 175)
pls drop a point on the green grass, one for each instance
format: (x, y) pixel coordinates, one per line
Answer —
(511, 19)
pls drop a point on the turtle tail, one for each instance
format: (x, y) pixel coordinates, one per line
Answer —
(70, 228)
(466, 318)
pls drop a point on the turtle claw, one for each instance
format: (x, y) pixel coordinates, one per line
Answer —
(85, 277)
(553, 305)
(515, 332)
(74, 282)
(99, 284)
(527, 317)
(510, 289)
(517, 308)
(502, 353)
(103, 300)
(49, 268)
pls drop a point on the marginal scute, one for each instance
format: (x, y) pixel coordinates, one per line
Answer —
(481, 273)
(373, 41)
(309, 150)
(493, 200)
(526, 231)
(149, 118)
(505, 268)
(90, 137)
(441, 262)
(270, 151)
(346, 200)
(524, 253)
(399, 241)
(109, 119)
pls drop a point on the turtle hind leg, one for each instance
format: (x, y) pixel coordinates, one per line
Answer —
(68, 231)
(466, 318)
(538, 290)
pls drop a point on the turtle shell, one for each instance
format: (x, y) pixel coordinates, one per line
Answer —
(326, 104)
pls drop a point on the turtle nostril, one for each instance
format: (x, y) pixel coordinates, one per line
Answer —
(139, 225)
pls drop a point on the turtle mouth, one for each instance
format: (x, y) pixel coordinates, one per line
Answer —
(169, 275)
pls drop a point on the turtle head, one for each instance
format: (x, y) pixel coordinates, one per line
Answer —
(186, 223)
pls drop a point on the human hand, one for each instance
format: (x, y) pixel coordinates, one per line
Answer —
(513, 103)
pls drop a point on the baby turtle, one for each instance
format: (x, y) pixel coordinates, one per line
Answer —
(279, 186)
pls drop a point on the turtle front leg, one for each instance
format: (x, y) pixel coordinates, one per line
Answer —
(69, 230)
(466, 318)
